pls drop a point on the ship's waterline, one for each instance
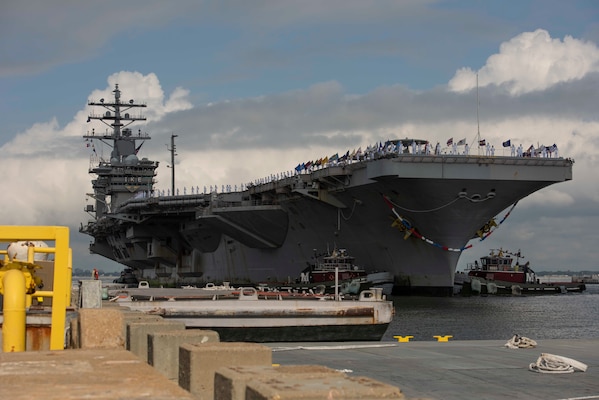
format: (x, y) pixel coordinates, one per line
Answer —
(270, 231)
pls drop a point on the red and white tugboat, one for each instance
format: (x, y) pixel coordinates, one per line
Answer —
(497, 274)
(339, 260)
(354, 278)
(498, 266)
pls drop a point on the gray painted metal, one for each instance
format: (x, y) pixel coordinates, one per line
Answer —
(270, 230)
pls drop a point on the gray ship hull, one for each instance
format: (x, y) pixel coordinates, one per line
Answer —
(270, 232)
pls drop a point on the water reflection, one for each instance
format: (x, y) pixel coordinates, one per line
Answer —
(560, 316)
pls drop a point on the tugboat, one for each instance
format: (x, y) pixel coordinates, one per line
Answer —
(498, 267)
(339, 260)
(354, 277)
(497, 274)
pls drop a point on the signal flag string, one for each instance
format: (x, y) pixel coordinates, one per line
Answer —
(412, 231)
(500, 222)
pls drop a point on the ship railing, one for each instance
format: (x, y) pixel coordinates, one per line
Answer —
(226, 204)
(473, 267)
(191, 200)
(109, 134)
(243, 203)
(488, 267)
(331, 267)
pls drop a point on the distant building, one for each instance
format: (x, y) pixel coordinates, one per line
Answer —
(555, 279)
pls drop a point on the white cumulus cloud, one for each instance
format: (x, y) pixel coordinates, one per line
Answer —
(532, 61)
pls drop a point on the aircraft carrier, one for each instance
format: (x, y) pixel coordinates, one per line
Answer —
(397, 206)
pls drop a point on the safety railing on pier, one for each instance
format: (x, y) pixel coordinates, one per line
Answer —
(14, 336)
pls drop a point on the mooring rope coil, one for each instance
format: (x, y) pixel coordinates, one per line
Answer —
(520, 342)
(554, 364)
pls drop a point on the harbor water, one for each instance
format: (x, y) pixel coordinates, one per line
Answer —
(559, 316)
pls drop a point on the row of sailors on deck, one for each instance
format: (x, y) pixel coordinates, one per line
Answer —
(423, 148)
(420, 147)
(372, 152)
(542, 151)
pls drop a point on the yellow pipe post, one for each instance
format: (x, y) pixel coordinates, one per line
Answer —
(61, 292)
(14, 325)
(62, 286)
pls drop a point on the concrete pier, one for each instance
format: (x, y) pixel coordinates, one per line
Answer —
(109, 356)
(83, 374)
(456, 369)
(98, 366)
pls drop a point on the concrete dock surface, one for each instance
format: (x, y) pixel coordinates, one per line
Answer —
(83, 374)
(420, 369)
(484, 369)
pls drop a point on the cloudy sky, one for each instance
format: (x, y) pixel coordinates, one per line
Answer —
(251, 88)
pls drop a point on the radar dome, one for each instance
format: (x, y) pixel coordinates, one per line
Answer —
(131, 159)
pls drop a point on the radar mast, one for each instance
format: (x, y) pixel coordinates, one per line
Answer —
(123, 176)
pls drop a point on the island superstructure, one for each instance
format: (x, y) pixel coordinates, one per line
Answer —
(398, 207)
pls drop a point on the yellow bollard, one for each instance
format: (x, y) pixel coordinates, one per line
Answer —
(403, 338)
(443, 338)
(14, 325)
